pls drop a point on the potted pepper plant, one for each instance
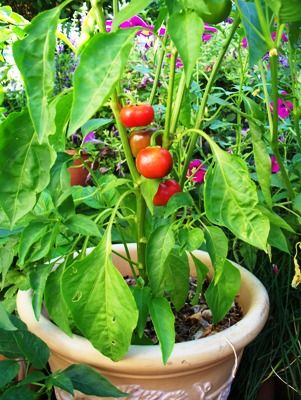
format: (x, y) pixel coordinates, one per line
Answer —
(106, 302)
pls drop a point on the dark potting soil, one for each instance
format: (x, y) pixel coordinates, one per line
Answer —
(195, 321)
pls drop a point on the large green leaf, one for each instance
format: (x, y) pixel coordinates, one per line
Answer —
(100, 301)
(201, 274)
(220, 295)
(19, 393)
(133, 8)
(91, 90)
(164, 324)
(34, 56)
(7, 254)
(8, 371)
(82, 224)
(231, 200)
(142, 297)
(177, 278)
(24, 166)
(185, 29)
(278, 239)
(62, 104)
(38, 277)
(217, 247)
(5, 322)
(30, 235)
(89, 381)
(261, 155)
(149, 188)
(159, 246)
(250, 20)
(286, 10)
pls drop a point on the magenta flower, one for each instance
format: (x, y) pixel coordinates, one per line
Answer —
(209, 28)
(284, 38)
(130, 23)
(162, 31)
(244, 43)
(197, 171)
(274, 165)
(284, 108)
(206, 37)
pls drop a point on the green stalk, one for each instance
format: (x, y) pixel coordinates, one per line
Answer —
(266, 97)
(115, 7)
(158, 70)
(201, 112)
(177, 104)
(265, 26)
(275, 142)
(99, 15)
(170, 91)
(296, 112)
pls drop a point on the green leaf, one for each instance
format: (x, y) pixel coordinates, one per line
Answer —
(94, 124)
(60, 380)
(18, 393)
(191, 239)
(185, 29)
(9, 369)
(62, 104)
(164, 321)
(149, 188)
(220, 295)
(7, 254)
(133, 8)
(38, 277)
(31, 234)
(142, 297)
(92, 90)
(160, 244)
(5, 322)
(83, 225)
(286, 10)
(278, 239)
(201, 274)
(100, 301)
(24, 166)
(177, 278)
(32, 377)
(34, 56)
(230, 199)
(54, 301)
(23, 344)
(178, 200)
(261, 155)
(295, 33)
(275, 219)
(89, 381)
(257, 45)
(59, 186)
(217, 247)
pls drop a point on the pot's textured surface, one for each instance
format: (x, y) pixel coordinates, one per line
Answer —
(197, 370)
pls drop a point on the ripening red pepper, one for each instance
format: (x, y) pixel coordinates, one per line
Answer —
(165, 191)
(154, 162)
(137, 115)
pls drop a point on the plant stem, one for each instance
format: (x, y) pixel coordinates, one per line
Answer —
(115, 7)
(266, 97)
(99, 14)
(177, 104)
(201, 112)
(296, 112)
(170, 91)
(158, 70)
(275, 143)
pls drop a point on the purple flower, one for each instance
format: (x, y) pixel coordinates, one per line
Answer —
(284, 38)
(229, 20)
(162, 31)
(209, 28)
(244, 43)
(90, 138)
(131, 23)
(283, 61)
(206, 37)
(274, 165)
(284, 107)
(197, 171)
(109, 25)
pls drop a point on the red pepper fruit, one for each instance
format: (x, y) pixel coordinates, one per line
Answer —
(165, 191)
(154, 162)
(137, 115)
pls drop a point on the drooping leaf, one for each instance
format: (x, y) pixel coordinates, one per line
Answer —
(149, 188)
(185, 29)
(142, 297)
(257, 45)
(217, 247)
(201, 274)
(159, 246)
(38, 277)
(18, 393)
(231, 200)
(177, 201)
(133, 8)
(30, 235)
(191, 239)
(80, 223)
(94, 124)
(25, 173)
(89, 381)
(92, 90)
(163, 320)
(7, 254)
(261, 155)
(100, 301)
(34, 56)
(8, 371)
(5, 322)
(220, 295)
(60, 380)
(177, 278)
(278, 239)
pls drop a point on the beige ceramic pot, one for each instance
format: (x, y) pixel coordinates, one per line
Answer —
(197, 370)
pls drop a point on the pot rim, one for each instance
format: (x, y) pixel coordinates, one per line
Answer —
(186, 355)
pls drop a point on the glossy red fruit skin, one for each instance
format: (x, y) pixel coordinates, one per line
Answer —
(165, 191)
(138, 140)
(137, 115)
(154, 162)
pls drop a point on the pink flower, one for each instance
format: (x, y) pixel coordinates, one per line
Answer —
(209, 28)
(162, 31)
(206, 37)
(244, 43)
(274, 165)
(284, 108)
(197, 171)
(284, 38)
(130, 23)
